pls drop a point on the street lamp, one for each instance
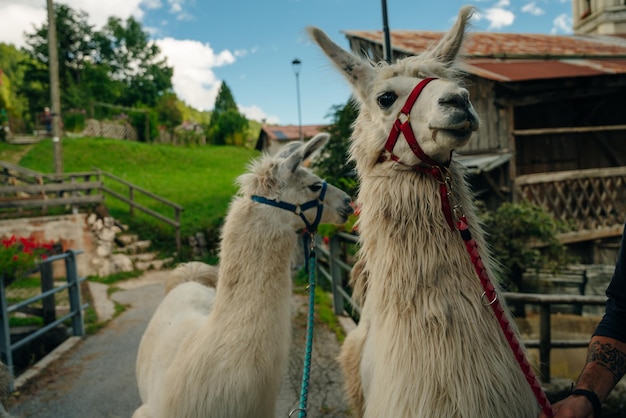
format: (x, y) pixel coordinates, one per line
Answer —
(296, 64)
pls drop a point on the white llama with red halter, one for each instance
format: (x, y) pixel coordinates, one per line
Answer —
(428, 343)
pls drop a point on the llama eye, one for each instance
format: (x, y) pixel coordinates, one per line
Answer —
(386, 99)
(315, 187)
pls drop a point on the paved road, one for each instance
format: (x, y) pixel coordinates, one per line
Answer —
(96, 379)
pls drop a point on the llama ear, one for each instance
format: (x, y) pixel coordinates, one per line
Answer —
(291, 163)
(450, 44)
(315, 145)
(288, 149)
(356, 70)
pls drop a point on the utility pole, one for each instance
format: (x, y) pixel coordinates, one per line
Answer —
(387, 37)
(55, 95)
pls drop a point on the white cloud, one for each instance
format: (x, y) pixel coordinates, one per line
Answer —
(242, 52)
(19, 16)
(152, 4)
(193, 62)
(562, 24)
(502, 3)
(533, 9)
(256, 113)
(498, 18)
(176, 8)
(99, 11)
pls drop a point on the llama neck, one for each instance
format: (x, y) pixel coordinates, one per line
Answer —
(405, 237)
(256, 253)
(235, 360)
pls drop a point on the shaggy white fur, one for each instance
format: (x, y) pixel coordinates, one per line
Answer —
(209, 353)
(426, 345)
(197, 271)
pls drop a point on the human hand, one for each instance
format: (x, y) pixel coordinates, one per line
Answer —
(574, 406)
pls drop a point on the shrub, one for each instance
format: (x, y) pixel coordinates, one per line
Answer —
(523, 236)
(74, 120)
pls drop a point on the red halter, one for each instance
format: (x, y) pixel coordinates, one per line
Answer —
(427, 165)
(405, 128)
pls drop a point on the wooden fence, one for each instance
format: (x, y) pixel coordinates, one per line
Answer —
(334, 266)
(130, 199)
(24, 188)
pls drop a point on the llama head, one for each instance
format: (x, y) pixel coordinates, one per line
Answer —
(282, 178)
(442, 119)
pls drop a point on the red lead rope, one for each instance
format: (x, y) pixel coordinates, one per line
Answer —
(492, 297)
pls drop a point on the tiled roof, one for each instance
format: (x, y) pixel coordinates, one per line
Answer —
(516, 57)
(291, 132)
(503, 45)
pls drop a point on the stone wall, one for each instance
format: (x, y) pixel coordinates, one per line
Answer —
(81, 232)
(70, 230)
(105, 261)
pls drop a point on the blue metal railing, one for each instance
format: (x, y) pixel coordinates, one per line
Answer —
(7, 348)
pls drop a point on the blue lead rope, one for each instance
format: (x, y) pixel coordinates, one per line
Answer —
(309, 253)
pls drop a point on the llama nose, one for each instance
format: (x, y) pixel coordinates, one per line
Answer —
(458, 99)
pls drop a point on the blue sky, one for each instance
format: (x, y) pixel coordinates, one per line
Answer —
(250, 44)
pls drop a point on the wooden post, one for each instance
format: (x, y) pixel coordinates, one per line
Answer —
(131, 196)
(55, 95)
(177, 218)
(545, 341)
(335, 272)
(513, 148)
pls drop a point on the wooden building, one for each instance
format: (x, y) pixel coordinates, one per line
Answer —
(553, 120)
(273, 137)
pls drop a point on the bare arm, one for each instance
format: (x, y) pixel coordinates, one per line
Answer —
(605, 366)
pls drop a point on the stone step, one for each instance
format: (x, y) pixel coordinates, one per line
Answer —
(128, 239)
(156, 264)
(136, 247)
(143, 256)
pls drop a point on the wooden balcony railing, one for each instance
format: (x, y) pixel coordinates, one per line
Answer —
(592, 202)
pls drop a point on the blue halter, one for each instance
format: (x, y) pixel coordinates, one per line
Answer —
(300, 209)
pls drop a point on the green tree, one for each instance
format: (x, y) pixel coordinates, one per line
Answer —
(227, 125)
(168, 111)
(118, 64)
(333, 163)
(77, 50)
(12, 73)
(134, 61)
(35, 90)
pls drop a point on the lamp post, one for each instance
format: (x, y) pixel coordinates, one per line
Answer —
(295, 65)
(387, 37)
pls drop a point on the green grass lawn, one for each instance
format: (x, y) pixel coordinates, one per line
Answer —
(201, 179)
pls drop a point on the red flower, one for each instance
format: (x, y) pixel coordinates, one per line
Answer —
(19, 255)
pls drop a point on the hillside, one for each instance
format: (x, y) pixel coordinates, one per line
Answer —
(201, 179)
